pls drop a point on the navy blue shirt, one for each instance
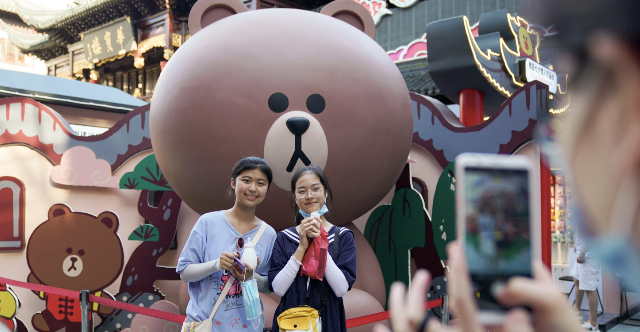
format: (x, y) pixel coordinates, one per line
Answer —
(333, 317)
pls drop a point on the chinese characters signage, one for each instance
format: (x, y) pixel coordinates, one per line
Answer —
(113, 39)
(537, 72)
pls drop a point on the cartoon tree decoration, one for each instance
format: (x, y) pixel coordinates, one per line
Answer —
(444, 211)
(145, 176)
(160, 209)
(425, 257)
(160, 206)
(392, 230)
(145, 233)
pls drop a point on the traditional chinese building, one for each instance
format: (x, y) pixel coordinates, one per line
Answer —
(117, 43)
(11, 56)
(125, 44)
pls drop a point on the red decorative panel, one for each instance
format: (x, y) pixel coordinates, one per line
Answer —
(11, 214)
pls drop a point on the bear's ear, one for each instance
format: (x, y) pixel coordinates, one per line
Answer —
(110, 220)
(352, 13)
(57, 210)
(206, 12)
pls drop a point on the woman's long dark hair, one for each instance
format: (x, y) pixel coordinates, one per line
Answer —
(250, 163)
(317, 171)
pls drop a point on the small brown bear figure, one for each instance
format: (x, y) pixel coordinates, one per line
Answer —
(75, 251)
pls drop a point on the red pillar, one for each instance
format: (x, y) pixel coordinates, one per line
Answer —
(545, 213)
(471, 107)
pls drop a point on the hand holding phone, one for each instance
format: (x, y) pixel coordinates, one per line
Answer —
(495, 211)
(239, 263)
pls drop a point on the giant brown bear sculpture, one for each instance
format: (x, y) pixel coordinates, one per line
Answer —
(295, 87)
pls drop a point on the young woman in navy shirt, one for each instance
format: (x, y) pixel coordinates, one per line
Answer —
(310, 192)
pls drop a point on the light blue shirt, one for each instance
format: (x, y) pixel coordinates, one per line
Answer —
(210, 237)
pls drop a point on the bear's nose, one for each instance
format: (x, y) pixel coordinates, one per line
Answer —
(73, 259)
(298, 125)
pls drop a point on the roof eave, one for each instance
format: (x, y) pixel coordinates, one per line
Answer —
(66, 101)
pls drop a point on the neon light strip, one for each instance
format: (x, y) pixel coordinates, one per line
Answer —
(560, 110)
(517, 20)
(475, 48)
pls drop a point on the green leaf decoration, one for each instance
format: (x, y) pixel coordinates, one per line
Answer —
(392, 230)
(444, 211)
(145, 176)
(144, 233)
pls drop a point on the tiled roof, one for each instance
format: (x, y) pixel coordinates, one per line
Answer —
(7, 6)
(416, 76)
(22, 40)
(38, 44)
(42, 17)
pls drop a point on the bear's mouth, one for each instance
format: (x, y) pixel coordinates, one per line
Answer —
(298, 154)
(72, 266)
(294, 140)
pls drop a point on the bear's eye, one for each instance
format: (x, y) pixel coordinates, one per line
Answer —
(81, 252)
(69, 250)
(278, 102)
(315, 103)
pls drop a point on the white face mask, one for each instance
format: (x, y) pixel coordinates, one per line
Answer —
(322, 211)
(251, 299)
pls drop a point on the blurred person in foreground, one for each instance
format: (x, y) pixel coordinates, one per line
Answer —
(600, 143)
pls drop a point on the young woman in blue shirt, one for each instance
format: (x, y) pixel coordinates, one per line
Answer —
(207, 260)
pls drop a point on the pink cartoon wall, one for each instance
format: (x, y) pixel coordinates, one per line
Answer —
(84, 182)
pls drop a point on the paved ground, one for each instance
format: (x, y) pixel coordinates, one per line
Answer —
(625, 328)
(628, 326)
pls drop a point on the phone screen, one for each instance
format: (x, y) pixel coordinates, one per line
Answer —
(497, 241)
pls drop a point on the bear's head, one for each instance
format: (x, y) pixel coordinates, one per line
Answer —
(294, 87)
(75, 250)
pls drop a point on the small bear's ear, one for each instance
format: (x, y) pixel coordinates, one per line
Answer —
(352, 13)
(110, 220)
(206, 12)
(57, 210)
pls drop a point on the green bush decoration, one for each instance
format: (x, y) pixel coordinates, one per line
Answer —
(392, 230)
(444, 211)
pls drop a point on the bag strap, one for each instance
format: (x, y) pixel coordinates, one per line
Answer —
(227, 286)
(223, 294)
(259, 233)
(336, 241)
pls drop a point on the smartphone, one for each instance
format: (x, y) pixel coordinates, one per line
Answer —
(239, 263)
(496, 207)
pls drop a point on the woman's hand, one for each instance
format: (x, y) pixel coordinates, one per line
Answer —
(227, 260)
(304, 230)
(548, 304)
(248, 271)
(314, 228)
(307, 226)
(407, 311)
